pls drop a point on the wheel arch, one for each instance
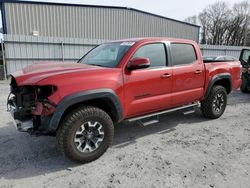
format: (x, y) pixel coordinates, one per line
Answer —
(223, 79)
(105, 99)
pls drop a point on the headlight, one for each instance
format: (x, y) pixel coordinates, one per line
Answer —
(45, 91)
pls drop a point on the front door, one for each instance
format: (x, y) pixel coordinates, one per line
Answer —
(148, 90)
(245, 57)
(245, 62)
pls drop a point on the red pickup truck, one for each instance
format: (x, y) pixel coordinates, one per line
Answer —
(133, 80)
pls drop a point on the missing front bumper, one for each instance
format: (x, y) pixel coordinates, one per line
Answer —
(22, 126)
(34, 126)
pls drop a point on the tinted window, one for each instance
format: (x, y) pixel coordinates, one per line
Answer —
(182, 54)
(155, 53)
(246, 54)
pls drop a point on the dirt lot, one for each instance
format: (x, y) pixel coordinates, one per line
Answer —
(181, 151)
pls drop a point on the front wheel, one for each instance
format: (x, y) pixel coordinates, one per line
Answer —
(85, 134)
(215, 104)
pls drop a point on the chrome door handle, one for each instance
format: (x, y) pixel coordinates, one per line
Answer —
(166, 75)
(198, 72)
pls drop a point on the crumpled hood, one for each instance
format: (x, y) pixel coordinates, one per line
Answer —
(32, 74)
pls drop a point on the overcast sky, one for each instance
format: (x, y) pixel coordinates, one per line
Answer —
(177, 9)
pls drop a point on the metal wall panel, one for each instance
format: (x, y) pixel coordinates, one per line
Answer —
(221, 50)
(21, 51)
(91, 22)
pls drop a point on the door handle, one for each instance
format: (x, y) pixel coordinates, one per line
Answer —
(197, 72)
(166, 75)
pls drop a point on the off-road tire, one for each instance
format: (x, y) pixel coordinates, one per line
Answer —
(207, 105)
(66, 133)
(244, 86)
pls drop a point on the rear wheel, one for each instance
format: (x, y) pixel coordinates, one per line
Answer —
(85, 134)
(215, 104)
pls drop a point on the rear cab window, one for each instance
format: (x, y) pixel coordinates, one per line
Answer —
(182, 54)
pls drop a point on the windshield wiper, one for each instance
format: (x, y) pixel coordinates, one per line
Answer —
(95, 65)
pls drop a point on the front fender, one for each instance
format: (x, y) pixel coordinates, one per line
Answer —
(80, 97)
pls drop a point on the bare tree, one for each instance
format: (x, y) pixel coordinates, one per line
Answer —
(191, 19)
(239, 24)
(204, 22)
(216, 19)
(224, 25)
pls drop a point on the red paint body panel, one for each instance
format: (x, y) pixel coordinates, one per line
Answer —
(145, 89)
(233, 68)
(141, 91)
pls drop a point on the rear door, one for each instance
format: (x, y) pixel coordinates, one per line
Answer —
(245, 57)
(188, 74)
(147, 90)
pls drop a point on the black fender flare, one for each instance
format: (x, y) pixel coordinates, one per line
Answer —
(80, 97)
(216, 78)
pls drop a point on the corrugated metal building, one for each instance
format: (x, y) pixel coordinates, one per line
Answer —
(87, 21)
(37, 31)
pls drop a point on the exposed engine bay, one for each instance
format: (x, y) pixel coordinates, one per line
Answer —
(30, 106)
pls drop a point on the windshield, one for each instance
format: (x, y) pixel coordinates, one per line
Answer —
(106, 55)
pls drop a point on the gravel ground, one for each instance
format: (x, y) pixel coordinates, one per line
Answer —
(180, 151)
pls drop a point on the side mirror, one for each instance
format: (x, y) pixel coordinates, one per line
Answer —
(138, 63)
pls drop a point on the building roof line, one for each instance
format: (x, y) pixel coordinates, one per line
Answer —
(97, 6)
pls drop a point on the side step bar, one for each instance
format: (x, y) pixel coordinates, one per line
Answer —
(195, 104)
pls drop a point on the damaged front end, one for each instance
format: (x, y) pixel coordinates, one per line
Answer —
(30, 107)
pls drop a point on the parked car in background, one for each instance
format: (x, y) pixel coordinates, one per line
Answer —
(245, 62)
(127, 80)
(219, 58)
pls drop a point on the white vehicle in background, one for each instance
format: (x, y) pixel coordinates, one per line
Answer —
(219, 58)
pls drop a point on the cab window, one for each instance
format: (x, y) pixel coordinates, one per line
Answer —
(182, 54)
(155, 52)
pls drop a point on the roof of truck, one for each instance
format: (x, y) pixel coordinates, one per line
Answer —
(152, 39)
